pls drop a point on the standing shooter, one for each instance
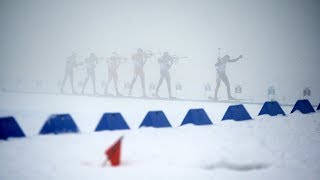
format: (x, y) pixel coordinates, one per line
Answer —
(221, 74)
(71, 64)
(90, 64)
(139, 60)
(165, 62)
(113, 64)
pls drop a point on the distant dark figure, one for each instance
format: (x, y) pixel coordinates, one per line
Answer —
(221, 74)
(165, 62)
(113, 64)
(71, 64)
(139, 60)
(90, 64)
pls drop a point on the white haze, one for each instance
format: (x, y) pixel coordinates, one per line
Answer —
(280, 40)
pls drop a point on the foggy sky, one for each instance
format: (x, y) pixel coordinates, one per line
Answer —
(280, 40)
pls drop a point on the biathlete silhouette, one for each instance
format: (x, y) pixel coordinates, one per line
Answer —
(222, 76)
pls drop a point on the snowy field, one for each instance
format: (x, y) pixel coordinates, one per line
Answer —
(263, 148)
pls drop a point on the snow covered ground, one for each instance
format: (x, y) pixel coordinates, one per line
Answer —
(263, 148)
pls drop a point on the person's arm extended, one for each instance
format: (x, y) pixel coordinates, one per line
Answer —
(236, 59)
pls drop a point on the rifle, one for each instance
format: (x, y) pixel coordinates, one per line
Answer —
(176, 58)
(117, 58)
(97, 60)
(85, 62)
(149, 53)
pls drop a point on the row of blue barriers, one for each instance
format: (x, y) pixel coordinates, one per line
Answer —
(64, 123)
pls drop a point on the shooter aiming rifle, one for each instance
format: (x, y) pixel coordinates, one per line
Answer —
(117, 59)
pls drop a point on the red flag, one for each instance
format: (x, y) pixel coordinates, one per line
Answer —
(113, 153)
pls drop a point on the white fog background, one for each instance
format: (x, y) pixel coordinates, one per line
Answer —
(279, 39)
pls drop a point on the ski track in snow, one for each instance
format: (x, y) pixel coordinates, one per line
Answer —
(263, 148)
